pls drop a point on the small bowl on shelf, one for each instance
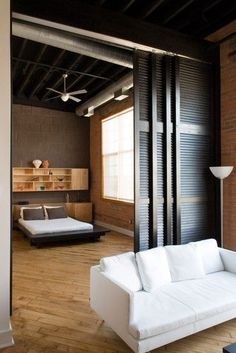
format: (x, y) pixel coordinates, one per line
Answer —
(60, 179)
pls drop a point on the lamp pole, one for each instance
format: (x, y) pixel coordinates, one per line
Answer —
(221, 173)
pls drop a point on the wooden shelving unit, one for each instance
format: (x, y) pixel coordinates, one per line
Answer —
(49, 179)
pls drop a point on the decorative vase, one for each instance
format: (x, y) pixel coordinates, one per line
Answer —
(37, 163)
(45, 163)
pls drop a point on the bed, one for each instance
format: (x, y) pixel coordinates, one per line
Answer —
(46, 230)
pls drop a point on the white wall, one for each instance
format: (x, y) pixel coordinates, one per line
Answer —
(5, 109)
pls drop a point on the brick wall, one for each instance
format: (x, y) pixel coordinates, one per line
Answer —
(228, 127)
(120, 214)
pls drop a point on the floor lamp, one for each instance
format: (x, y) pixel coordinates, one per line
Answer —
(221, 173)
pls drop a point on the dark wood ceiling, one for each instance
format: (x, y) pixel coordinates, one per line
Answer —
(36, 66)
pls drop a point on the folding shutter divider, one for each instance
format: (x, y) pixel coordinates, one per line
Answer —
(176, 155)
(153, 198)
(172, 150)
(167, 155)
(142, 113)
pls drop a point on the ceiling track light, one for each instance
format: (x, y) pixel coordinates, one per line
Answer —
(121, 94)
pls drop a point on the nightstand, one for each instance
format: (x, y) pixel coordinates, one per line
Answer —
(80, 210)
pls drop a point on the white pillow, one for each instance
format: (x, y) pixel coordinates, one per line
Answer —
(210, 255)
(123, 269)
(32, 208)
(184, 262)
(153, 268)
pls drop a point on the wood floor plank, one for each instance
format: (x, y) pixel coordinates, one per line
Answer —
(51, 311)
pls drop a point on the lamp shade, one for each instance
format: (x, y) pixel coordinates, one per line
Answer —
(221, 172)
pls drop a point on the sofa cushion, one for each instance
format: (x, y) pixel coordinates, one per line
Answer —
(156, 313)
(207, 296)
(123, 269)
(210, 255)
(153, 268)
(184, 262)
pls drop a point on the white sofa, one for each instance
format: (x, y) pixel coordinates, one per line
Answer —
(160, 295)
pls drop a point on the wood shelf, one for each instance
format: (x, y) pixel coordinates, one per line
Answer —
(49, 179)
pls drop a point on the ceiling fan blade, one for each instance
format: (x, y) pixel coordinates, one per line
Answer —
(54, 90)
(81, 91)
(75, 99)
(45, 100)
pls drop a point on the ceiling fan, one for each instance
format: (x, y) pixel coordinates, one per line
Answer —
(66, 95)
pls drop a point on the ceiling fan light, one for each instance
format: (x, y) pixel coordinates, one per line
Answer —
(65, 97)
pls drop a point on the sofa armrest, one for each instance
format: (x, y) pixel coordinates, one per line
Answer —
(229, 259)
(110, 300)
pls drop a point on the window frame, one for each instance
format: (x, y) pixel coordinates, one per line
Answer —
(103, 197)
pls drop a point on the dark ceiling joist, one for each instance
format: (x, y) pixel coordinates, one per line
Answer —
(46, 75)
(95, 19)
(52, 67)
(100, 87)
(127, 5)
(21, 52)
(151, 7)
(78, 79)
(30, 73)
(102, 71)
(178, 11)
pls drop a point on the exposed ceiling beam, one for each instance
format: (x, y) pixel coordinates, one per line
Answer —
(72, 43)
(31, 71)
(85, 19)
(52, 67)
(57, 60)
(100, 86)
(20, 56)
(107, 94)
(78, 79)
(127, 5)
(177, 11)
(103, 70)
(151, 7)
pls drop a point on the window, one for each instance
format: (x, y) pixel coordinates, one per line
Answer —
(118, 157)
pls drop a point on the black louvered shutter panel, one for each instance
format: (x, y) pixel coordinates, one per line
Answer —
(195, 149)
(142, 114)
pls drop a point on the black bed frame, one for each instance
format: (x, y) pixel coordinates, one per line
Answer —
(38, 239)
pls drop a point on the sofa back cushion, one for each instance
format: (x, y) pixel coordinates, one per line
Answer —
(210, 255)
(153, 268)
(123, 269)
(184, 262)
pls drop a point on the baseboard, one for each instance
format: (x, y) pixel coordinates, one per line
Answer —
(6, 339)
(128, 232)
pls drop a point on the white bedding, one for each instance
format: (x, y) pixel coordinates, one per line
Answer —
(55, 225)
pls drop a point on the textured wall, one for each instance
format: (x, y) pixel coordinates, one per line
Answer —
(228, 126)
(116, 213)
(60, 137)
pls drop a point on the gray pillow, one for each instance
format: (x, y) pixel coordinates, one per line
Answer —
(56, 212)
(33, 214)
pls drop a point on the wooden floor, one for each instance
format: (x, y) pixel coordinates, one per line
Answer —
(51, 311)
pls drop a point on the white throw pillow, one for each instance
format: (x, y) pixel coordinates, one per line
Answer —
(210, 255)
(24, 208)
(123, 269)
(184, 262)
(153, 268)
